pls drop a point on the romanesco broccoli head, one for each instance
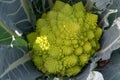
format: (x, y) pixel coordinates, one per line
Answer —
(67, 36)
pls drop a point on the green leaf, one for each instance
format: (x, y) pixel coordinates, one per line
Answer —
(6, 34)
(19, 42)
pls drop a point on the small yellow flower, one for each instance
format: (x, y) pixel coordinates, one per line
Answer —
(43, 42)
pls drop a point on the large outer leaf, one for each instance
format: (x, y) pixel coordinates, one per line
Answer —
(16, 18)
(112, 70)
(110, 40)
(15, 64)
(111, 36)
(17, 15)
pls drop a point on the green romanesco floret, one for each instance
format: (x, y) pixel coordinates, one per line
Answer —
(66, 37)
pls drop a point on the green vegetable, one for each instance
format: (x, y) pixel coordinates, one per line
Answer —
(65, 39)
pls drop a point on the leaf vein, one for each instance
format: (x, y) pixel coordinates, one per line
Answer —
(5, 39)
(22, 60)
